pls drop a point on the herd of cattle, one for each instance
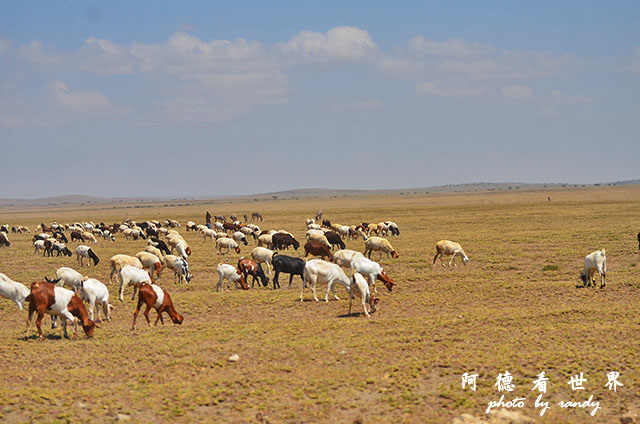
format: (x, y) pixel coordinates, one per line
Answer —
(164, 239)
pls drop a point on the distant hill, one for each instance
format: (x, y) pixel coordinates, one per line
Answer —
(79, 199)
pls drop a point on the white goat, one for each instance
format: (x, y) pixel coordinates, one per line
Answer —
(263, 255)
(594, 262)
(319, 271)
(13, 290)
(94, 292)
(135, 276)
(358, 284)
(231, 274)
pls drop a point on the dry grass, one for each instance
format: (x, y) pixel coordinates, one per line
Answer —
(515, 307)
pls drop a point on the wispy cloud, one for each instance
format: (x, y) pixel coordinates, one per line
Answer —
(360, 104)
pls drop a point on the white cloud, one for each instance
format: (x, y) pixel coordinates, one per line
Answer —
(349, 44)
(434, 89)
(84, 101)
(517, 92)
(36, 53)
(361, 104)
(560, 97)
(456, 48)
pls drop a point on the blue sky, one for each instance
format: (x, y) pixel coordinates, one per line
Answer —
(205, 98)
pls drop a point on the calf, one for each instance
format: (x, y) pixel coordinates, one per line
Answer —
(249, 267)
(156, 297)
(51, 299)
(287, 264)
(317, 248)
(594, 262)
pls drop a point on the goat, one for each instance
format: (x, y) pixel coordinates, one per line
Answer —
(359, 284)
(263, 255)
(250, 267)
(135, 276)
(594, 262)
(181, 271)
(317, 248)
(287, 264)
(13, 290)
(156, 297)
(227, 243)
(371, 270)
(95, 292)
(231, 274)
(319, 271)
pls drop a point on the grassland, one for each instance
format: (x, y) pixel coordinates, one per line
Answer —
(515, 307)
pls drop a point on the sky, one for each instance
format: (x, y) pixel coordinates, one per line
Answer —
(206, 98)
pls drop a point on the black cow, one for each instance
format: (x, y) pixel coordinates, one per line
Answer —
(334, 239)
(281, 241)
(287, 264)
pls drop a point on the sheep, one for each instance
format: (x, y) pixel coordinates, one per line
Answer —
(181, 246)
(358, 284)
(181, 271)
(154, 250)
(208, 233)
(95, 292)
(393, 228)
(88, 236)
(191, 226)
(239, 237)
(57, 301)
(135, 276)
(313, 227)
(263, 255)
(13, 290)
(378, 244)
(446, 248)
(343, 230)
(156, 297)
(39, 245)
(118, 261)
(4, 239)
(227, 243)
(320, 238)
(320, 271)
(316, 248)
(594, 262)
(345, 256)
(169, 261)
(150, 262)
(60, 248)
(83, 251)
(106, 235)
(231, 274)
(371, 270)
(265, 240)
(161, 245)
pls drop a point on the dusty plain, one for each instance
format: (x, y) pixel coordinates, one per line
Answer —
(515, 307)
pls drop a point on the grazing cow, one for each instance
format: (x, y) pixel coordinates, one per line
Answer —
(317, 248)
(446, 248)
(57, 301)
(594, 262)
(319, 271)
(287, 264)
(250, 267)
(4, 240)
(334, 239)
(156, 297)
(281, 241)
(232, 274)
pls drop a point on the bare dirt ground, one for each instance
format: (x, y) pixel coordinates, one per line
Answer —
(515, 307)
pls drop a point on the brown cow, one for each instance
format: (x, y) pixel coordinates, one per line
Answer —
(155, 296)
(54, 300)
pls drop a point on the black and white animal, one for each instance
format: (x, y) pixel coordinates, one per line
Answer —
(85, 252)
(4, 240)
